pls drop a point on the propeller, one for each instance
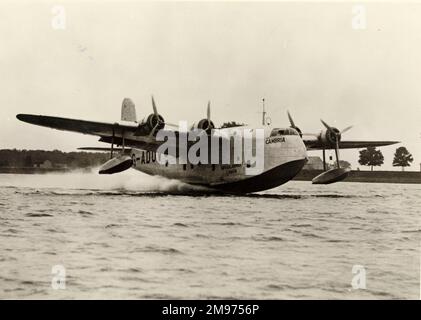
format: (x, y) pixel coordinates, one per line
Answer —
(346, 129)
(209, 122)
(292, 124)
(332, 134)
(291, 121)
(206, 124)
(334, 131)
(155, 110)
(335, 135)
(159, 121)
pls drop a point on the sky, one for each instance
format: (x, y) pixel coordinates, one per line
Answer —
(309, 58)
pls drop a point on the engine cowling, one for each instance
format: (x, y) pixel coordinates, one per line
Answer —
(329, 136)
(206, 125)
(151, 122)
(155, 120)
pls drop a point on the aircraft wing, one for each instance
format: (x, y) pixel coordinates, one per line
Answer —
(80, 126)
(314, 144)
(106, 131)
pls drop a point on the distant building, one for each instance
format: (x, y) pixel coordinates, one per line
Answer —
(314, 163)
(46, 164)
(36, 164)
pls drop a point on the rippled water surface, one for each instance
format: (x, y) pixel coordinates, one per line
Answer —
(135, 236)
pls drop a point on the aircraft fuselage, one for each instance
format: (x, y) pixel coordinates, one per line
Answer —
(284, 157)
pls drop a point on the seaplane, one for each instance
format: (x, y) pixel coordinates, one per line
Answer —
(138, 145)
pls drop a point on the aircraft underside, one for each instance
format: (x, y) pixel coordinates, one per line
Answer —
(226, 178)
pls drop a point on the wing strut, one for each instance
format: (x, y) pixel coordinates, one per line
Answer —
(112, 144)
(123, 143)
(121, 162)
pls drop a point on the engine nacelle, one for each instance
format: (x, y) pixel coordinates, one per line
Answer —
(151, 122)
(204, 124)
(328, 137)
(155, 121)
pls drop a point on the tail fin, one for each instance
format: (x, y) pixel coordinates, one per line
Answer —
(128, 110)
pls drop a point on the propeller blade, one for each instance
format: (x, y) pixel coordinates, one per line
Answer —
(326, 125)
(291, 121)
(172, 125)
(346, 129)
(155, 111)
(208, 112)
(152, 133)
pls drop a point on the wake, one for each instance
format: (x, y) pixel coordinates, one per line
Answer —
(129, 181)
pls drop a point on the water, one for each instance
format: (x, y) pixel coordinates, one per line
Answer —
(135, 236)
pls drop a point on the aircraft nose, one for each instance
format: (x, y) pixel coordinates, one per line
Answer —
(302, 150)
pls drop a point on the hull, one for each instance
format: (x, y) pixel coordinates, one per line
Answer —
(267, 180)
(284, 157)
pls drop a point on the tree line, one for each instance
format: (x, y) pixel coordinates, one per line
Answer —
(30, 158)
(372, 157)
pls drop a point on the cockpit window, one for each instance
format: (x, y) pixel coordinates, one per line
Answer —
(284, 132)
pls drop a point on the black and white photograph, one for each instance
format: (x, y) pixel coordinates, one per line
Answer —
(210, 151)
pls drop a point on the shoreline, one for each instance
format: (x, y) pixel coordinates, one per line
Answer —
(30, 170)
(412, 177)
